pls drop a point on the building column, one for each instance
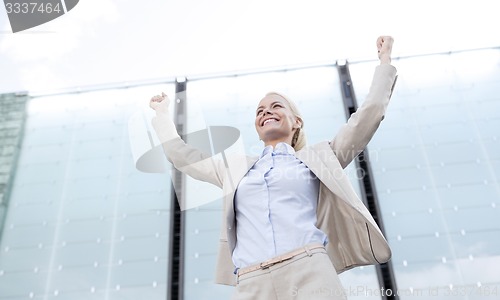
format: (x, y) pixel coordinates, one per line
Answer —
(12, 120)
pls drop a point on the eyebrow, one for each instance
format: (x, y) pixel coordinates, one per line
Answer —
(271, 105)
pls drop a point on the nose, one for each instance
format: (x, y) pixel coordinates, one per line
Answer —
(266, 111)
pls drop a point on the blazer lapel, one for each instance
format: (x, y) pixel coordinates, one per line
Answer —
(330, 176)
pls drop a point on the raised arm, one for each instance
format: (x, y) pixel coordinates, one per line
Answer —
(185, 158)
(353, 136)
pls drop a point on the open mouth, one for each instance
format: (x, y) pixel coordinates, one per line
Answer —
(269, 121)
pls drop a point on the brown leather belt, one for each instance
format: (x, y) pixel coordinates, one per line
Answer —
(278, 259)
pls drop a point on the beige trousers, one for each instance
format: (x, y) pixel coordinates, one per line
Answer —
(307, 276)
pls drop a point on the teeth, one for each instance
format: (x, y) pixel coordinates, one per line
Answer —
(268, 121)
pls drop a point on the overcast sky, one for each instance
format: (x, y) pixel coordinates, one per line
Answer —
(114, 41)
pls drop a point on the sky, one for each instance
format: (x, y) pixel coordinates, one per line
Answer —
(115, 42)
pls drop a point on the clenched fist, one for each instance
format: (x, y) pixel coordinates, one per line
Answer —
(160, 103)
(384, 47)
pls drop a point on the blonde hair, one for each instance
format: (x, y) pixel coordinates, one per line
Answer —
(299, 138)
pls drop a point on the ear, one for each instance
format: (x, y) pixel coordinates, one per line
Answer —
(298, 123)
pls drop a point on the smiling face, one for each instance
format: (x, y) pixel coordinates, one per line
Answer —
(275, 121)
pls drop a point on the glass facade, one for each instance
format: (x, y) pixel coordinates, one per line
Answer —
(436, 167)
(84, 223)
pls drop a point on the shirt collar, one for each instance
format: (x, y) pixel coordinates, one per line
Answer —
(281, 148)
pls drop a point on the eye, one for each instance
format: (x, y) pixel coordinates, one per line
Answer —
(259, 112)
(277, 105)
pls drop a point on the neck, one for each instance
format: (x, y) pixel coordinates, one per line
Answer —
(276, 142)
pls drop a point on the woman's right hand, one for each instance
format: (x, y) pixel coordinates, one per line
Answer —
(160, 103)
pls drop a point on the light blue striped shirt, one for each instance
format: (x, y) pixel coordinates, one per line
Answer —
(275, 207)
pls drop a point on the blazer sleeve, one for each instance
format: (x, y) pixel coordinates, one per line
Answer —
(353, 136)
(185, 158)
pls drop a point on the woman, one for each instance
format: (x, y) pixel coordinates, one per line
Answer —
(291, 220)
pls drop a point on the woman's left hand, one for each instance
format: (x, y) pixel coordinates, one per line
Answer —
(384, 47)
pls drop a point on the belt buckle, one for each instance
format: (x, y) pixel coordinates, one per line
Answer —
(271, 262)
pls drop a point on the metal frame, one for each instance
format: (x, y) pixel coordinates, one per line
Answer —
(175, 284)
(385, 272)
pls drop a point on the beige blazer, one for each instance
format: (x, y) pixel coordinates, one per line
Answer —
(354, 237)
